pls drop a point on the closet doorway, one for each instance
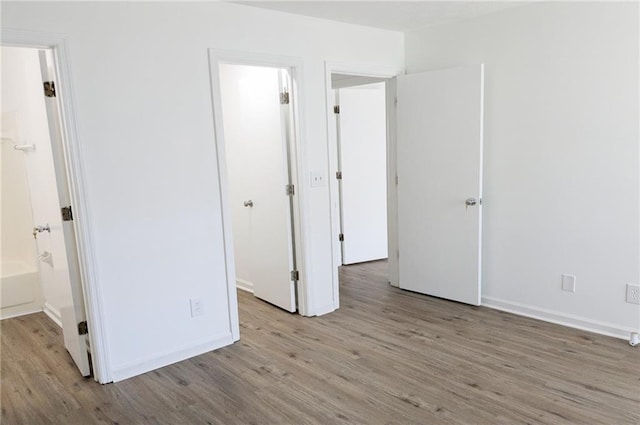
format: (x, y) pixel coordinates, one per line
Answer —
(361, 116)
(257, 140)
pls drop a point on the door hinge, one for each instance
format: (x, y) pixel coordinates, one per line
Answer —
(49, 89)
(339, 175)
(83, 328)
(336, 109)
(395, 101)
(284, 98)
(341, 237)
(396, 179)
(295, 275)
(67, 214)
(290, 190)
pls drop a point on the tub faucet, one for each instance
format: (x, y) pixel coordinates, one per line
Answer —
(39, 229)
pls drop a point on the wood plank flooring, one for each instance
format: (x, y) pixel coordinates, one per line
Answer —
(386, 357)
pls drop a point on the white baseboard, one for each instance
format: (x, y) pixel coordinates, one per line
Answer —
(245, 285)
(53, 313)
(325, 309)
(19, 313)
(139, 367)
(558, 318)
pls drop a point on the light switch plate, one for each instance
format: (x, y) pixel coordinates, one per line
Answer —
(197, 307)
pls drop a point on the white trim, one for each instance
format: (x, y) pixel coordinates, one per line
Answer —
(392, 187)
(354, 69)
(481, 182)
(244, 285)
(559, 318)
(139, 367)
(20, 313)
(73, 154)
(328, 308)
(53, 313)
(216, 57)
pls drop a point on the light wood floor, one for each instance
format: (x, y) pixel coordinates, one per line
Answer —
(387, 356)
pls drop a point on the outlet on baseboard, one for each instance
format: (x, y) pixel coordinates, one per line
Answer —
(197, 307)
(633, 294)
(568, 283)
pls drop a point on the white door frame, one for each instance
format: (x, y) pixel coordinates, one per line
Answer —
(217, 57)
(361, 70)
(72, 154)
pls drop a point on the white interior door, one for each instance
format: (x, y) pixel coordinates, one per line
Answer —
(363, 147)
(439, 118)
(48, 199)
(258, 172)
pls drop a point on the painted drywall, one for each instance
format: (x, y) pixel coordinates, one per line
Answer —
(339, 81)
(363, 145)
(561, 155)
(23, 103)
(143, 104)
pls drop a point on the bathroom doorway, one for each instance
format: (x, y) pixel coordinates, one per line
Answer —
(40, 269)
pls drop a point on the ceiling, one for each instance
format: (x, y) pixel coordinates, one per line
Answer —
(390, 15)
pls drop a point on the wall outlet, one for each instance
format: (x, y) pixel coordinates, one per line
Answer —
(197, 307)
(568, 283)
(633, 294)
(317, 179)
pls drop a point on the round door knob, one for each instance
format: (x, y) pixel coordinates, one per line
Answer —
(470, 202)
(248, 203)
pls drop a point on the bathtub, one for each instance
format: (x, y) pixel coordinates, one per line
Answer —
(19, 289)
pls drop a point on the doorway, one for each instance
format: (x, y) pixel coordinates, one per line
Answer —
(342, 75)
(360, 113)
(40, 265)
(258, 131)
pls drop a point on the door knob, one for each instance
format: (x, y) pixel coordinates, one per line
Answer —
(470, 202)
(248, 203)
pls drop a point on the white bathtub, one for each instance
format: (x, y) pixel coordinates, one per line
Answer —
(19, 289)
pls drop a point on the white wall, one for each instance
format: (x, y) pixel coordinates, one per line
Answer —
(17, 242)
(143, 102)
(26, 121)
(561, 154)
(18, 295)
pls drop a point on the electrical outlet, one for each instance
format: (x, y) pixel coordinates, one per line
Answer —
(568, 283)
(197, 307)
(633, 294)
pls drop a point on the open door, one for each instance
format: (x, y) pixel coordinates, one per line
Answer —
(362, 151)
(439, 149)
(60, 241)
(257, 131)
